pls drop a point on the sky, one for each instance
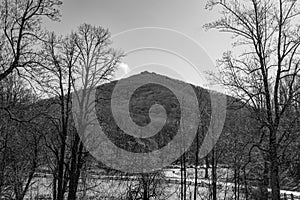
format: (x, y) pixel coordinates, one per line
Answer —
(164, 36)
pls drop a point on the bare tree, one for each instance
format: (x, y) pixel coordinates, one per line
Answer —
(270, 35)
(20, 25)
(79, 62)
(58, 58)
(96, 64)
(147, 186)
(20, 139)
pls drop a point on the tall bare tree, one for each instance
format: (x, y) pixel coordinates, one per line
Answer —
(79, 62)
(96, 64)
(58, 59)
(270, 36)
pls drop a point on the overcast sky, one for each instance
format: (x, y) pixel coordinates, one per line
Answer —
(180, 45)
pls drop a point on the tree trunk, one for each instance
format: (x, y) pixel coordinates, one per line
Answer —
(238, 184)
(60, 178)
(214, 175)
(235, 184)
(3, 163)
(181, 179)
(245, 184)
(54, 188)
(76, 166)
(206, 167)
(264, 182)
(274, 168)
(196, 166)
(184, 176)
(74, 171)
(145, 187)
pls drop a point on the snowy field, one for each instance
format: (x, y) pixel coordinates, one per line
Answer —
(99, 186)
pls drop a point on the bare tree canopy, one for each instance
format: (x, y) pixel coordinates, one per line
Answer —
(20, 25)
(266, 74)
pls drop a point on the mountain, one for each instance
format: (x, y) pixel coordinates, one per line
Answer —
(155, 103)
(140, 100)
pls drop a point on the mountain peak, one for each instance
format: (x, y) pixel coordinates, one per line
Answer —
(145, 72)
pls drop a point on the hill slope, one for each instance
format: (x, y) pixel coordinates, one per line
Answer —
(141, 102)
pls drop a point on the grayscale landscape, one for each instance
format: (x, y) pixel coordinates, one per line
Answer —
(149, 100)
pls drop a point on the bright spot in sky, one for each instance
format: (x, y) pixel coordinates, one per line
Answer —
(122, 71)
(124, 67)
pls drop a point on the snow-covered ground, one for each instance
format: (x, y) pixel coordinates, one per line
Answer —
(108, 186)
